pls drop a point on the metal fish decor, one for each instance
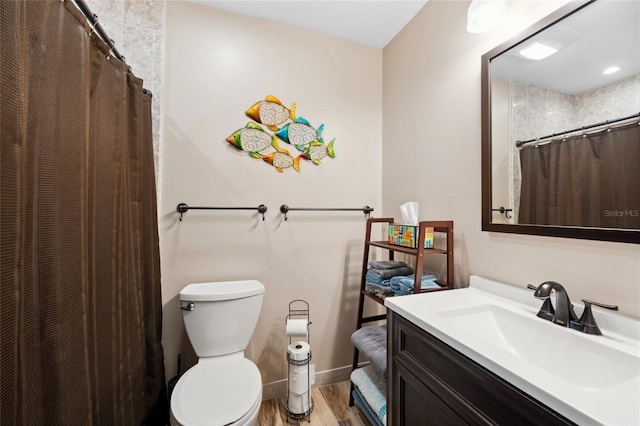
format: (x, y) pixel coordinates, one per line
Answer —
(251, 138)
(261, 144)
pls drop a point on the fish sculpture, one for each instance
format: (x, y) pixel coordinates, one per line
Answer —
(300, 133)
(251, 138)
(271, 112)
(316, 151)
(281, 159)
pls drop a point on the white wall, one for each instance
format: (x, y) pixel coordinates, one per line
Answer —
(431, 154)
(217, 65)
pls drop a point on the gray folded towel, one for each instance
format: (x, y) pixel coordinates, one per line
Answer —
(388, 273)
(372, 341)
(377, 288)
(386, 264)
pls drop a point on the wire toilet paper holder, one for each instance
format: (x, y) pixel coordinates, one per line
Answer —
(298, 314)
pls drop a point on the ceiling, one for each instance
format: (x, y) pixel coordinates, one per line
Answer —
(603, 34)
(374, 23)
(606, 35)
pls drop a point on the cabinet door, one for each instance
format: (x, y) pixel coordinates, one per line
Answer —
(418, 406)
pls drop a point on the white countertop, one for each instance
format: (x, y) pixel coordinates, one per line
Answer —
(591, 380)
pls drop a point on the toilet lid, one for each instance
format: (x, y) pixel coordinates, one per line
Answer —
(216, 392)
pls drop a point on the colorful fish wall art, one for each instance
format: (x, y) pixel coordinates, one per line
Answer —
(286, 127)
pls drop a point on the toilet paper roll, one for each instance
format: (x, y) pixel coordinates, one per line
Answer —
(299, 404)
(301, 378)
(299, 351)
(297, 327)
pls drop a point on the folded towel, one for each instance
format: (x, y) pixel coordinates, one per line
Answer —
(378, 289)
(373, 388)
(403, 285)
(388, 273)
(386, 264)
(373, 278)
(372, 342)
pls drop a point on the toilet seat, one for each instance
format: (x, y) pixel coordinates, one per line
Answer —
(217, 391)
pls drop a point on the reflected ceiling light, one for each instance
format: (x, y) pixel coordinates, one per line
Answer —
(483, 15)
(611, 70)
(538, 51)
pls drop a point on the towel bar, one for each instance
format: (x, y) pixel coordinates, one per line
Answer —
(285, 209)
(183, 208)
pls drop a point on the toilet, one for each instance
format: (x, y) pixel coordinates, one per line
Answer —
(224, 387)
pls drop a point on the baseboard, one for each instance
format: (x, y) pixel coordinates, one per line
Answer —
(278, 389)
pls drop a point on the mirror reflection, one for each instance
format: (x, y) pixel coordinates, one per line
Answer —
(565, 133)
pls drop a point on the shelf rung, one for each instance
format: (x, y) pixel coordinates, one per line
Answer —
(402, 249)
(373, 318)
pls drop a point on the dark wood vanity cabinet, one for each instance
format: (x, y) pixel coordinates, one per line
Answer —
(430, 383)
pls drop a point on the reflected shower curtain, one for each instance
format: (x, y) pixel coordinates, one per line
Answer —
(591, 180)
(80, 303)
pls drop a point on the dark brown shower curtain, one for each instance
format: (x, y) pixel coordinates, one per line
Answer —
(591, 180)
(80, 302)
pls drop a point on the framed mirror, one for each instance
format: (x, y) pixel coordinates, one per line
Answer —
(561, 126)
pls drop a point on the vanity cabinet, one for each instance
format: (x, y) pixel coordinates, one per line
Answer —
(429, 382)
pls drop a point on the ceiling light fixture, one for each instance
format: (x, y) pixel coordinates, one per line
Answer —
(611, 70)
(483, 15)
(538, 51)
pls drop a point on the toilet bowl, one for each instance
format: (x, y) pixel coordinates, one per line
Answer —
(224, 387)
(224, 391)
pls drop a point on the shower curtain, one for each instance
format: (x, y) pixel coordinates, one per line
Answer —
(80, 302)
(589, 180)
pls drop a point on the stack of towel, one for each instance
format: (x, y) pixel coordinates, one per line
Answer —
(381, 272)
(402, 286)
(387, 277)
(370, 381)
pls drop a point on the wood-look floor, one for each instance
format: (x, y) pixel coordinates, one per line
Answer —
(330, 408)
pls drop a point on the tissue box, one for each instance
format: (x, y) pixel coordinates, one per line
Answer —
(406, 235)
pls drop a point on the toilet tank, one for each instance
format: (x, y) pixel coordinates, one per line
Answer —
(220, 316)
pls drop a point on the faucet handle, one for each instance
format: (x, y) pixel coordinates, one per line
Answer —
(602, 305)
(546, 311)
(587, 323)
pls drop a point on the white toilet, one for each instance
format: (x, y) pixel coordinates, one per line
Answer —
(223, 388)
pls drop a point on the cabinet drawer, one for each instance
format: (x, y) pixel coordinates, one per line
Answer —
(479, 388)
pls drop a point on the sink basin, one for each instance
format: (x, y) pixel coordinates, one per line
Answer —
(577, 359)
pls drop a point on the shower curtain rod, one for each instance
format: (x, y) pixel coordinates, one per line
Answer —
(591, 126)
(97, 27)
(285, 209)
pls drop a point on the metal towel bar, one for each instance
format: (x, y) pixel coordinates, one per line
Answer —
(183, 208)
(285, 209)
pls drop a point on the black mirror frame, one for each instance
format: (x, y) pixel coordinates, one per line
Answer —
(601, 234)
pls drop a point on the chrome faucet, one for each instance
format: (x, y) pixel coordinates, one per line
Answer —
(563, 313)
